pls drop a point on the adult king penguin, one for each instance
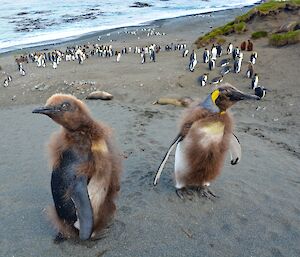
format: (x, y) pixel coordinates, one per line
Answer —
(86, 170)
(205, 135)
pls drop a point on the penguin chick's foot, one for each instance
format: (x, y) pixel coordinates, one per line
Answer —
(184, 192)
(59, 238)
(204, 191)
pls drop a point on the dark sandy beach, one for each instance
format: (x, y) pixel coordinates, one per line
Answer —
(257, 212)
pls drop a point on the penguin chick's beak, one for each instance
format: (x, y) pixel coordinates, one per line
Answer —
(238, 96)
(46, 110)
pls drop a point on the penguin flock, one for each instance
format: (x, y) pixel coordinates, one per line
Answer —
(237, 57)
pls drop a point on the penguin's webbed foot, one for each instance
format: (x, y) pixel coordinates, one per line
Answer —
(184, 192)
(204, 191)
(59, 238)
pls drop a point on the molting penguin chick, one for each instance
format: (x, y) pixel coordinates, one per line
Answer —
(205, 135)
(86, 169)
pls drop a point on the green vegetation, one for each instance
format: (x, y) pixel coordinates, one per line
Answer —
(215, 35)
(239, 24)
(259, 34)
(240, 27)
(282, 39)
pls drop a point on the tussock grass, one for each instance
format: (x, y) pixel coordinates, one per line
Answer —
(259, 34)
(282, 39)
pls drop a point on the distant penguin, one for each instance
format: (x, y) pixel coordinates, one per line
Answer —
(118, 57)
(241, 55)
(225, 70)
(260, 91)
(237, 65)
(250, 70)
(214, 52)
(249, 46)
(253, 57)
(219, 50)
(254, 82)
(206, 56)
(192, 65)
(224, 62)
(229, 48)
(22, 72)
(243, 46)
(203, 79)
(185, 52)
(217, 80)
(5, 83)
(143, 57)
(211, 64)
(54, 65)
(235, 53)
(193, 56)
(9, 78)
(205, 136)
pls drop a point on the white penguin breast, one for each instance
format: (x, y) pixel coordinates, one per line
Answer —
(181, 163)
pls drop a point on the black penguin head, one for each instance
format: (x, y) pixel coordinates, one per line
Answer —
(226, 95)
(66, 110)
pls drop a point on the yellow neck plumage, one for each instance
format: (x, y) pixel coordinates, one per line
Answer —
(214, 96)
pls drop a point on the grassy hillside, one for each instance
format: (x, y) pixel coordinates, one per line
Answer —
(239, 25)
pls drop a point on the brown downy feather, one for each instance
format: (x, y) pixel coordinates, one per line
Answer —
(205, 162)
(102, 165)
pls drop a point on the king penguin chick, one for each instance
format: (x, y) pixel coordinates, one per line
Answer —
(86, 170)
(205, 135)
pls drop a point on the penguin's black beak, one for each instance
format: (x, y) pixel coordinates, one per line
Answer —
(238, 96)
(46, 110)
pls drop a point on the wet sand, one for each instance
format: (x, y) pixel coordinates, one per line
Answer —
(257, 212)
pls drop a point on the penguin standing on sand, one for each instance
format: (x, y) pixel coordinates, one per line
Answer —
(253, 57)
(229, 48)
(203, 79)
(86, 170)
(143, 57)
(193, 61)
(118, 57)
(21, 69)
(243, 46)
(250, 70)
(254, 82)
(5, 83)
(237, 65)
(211, 64)
(185, 52)
(219, 50)
(205, 135)
(206, 56)
(54, 65)
(214, 52)
(235, 53)
(249, 45)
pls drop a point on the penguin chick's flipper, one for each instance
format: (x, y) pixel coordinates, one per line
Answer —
(235, 150)
(163, 163)
(83, 206)
(70, 195)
